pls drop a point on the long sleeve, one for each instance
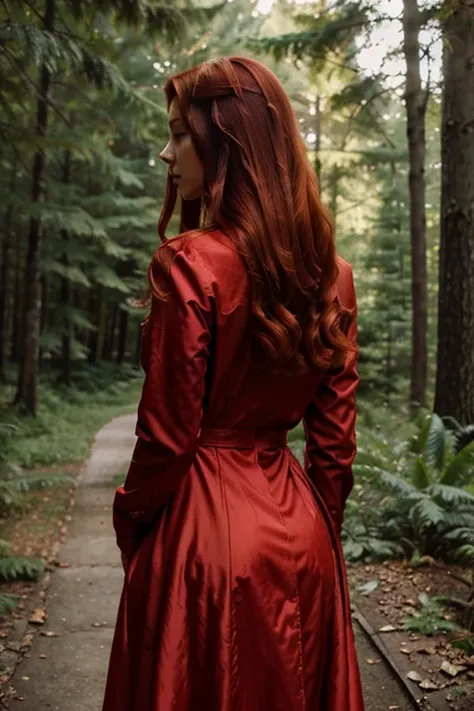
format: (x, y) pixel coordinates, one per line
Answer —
(330, 423)
(170, 408)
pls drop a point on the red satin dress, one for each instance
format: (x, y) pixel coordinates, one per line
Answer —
(235, 598)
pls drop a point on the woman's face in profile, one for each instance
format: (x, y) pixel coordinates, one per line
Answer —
(181, 158)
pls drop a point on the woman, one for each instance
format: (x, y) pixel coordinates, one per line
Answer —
(235, 595)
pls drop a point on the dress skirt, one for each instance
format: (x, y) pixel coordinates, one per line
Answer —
(236, 599)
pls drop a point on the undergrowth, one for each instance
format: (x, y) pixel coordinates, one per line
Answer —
(67, 418)
(61, 434)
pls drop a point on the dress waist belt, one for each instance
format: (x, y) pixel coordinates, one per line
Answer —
(243, 438)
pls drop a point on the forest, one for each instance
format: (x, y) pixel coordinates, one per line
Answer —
(384, 95)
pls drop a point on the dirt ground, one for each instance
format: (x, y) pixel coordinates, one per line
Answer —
(387, 594)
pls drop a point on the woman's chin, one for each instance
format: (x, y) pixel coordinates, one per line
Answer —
(190, 195)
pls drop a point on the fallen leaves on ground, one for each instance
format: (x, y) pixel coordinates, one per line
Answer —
(386, 594)
(38, 616)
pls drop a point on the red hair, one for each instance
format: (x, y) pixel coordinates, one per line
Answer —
(262, 192)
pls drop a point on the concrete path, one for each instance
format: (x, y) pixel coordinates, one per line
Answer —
(66, 672)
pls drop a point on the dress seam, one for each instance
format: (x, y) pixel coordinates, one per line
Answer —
(233, 651)
(298, 610)
(339, 587)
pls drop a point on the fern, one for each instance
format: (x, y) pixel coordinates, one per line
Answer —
(7, 603)
(20, 568)
(465, 536)
(464, 435)
(439, 445)
(460, 469)
(12, 486)
(460, 517)
(397, 484)
(39, 481)
(353, 550)
(430, 619)
(421, 474)
(426, 512)
(452, 495)
(465, 553)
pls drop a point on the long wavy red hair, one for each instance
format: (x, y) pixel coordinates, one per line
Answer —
(262, 192)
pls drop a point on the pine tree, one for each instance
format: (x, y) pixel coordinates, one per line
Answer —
(416, 100)
(455, 371)
(50, 48)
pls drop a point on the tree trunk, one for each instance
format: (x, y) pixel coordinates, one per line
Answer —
(317, 147)
(17, 307)
(415, 100)
(334, 194)
(122, 335)
(455, 362)
(389, 363)
(96, 310)
(109, 340)
(66, 372)
(4, 274)
(66, 290)
(28, 372)
(43, 316)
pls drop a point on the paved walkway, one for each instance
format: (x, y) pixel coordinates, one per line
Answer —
(67, 672)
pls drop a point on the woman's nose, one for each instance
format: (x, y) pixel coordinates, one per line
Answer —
(166, 155)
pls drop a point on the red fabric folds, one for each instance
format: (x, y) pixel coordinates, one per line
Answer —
(235, 598)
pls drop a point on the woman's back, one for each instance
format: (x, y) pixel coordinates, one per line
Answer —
(239, 392)
(235, 595)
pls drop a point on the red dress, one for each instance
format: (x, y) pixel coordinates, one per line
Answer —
(236, 597)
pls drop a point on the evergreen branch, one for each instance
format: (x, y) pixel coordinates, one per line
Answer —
(381, 130)
(51, 48)
(91, 103)
(38, 93)
(354, 205)
(342, 65)
(34, 10)
(321, 37)
(15, 150)
(70, 34)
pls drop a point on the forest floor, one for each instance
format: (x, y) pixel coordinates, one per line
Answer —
(54, 647)
(386, 595)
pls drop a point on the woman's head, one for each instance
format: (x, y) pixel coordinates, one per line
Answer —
(235, 143)
(185, 169)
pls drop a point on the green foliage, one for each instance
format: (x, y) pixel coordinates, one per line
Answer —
(323, 33)
(8, 604)
(104, 121)
(19, 568)
(466, 644)
(463, 435)
(67, 419)
(61, 433)
(14, 482)
(384, 327)
(430, 619)
(13, 485)
(401, 504)
(411, 494)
